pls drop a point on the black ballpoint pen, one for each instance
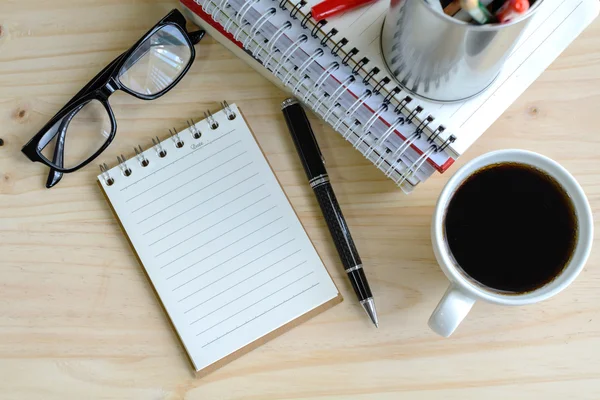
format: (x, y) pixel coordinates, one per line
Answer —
(314, 166)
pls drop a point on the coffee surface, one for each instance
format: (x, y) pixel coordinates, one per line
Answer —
(511, 227)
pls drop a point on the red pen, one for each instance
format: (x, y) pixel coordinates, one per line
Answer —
(512, 9)
(328, 8)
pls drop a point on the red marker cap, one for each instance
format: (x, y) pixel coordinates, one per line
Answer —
(328, 8)
(512, 9)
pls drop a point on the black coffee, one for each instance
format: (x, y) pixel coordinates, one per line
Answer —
(511, 227)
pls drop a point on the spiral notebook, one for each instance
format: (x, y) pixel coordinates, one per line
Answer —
(218, 239)
(336, 68)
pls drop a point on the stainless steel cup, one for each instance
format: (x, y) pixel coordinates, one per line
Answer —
(442, 58)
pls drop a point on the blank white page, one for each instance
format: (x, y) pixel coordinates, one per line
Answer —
(218, 238)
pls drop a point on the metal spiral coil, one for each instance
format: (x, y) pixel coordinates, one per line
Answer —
(318, 27)
(354, 107)
(256, 26)
(366, 128)
(384, 81)
(330, 111)
(296, 88)
(291, 73)
(401, 149)
(212, 122)
(305, 20)
(414, 113)
(287, 25)
(123, 165)
(139, 154)
(363, 61)
(318, 102)
(451, 139)
(222, 5)
(231, 115)
(205, 7)
(339, 91)
(374, 71)
(349, 55)
(338, 46)
(175, 138)
(108, 180)
(423, 125)
(438, 131)
(160, 151)
(397, 155)
(350, 129)
(381, 141)
(297, 8)
(289, 52)
(196, 134)
(244, 9)
(388, 98)
(402, 105)
(359, 65)
(334, 66)
(328, 36)
(241, 17)
(415, 166)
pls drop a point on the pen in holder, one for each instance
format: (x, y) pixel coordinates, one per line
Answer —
(442, 58)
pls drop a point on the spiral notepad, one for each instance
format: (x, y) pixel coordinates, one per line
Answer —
(336, 68)
(216, 235)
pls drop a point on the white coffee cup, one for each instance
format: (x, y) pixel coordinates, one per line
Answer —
(463, 290)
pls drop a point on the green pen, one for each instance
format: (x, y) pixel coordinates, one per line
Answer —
(477, 11)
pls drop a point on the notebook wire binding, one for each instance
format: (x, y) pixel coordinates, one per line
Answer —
(369, 76)
(125, 165)
(391, 162)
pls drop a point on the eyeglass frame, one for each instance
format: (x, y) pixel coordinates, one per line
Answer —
(100, 88)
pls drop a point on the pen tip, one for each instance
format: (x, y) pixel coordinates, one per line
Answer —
(369, 306)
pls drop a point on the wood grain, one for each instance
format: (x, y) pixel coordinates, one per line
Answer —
(78, 318)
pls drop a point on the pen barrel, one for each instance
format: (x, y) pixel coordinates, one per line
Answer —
(342, 239)
(304, 139)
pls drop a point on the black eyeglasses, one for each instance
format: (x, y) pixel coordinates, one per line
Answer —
(86, 125)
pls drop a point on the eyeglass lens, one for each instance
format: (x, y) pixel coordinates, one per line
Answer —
(157, 62)
(87, 128)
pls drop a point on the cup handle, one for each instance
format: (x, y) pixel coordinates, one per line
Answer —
(450, 311)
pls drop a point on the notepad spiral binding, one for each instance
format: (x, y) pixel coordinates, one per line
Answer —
(392, 161)
(157, 144)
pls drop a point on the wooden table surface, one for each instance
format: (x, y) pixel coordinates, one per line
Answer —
(78, 319)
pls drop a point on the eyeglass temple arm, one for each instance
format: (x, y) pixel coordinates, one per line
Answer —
(196, 36)
(58, 158)
(55, 176)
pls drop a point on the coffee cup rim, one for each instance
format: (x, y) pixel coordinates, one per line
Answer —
(582, 210)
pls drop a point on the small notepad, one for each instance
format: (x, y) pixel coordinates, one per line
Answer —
(219, 240)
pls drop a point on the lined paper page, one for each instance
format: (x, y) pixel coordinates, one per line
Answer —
(219, 239)
(556, 24)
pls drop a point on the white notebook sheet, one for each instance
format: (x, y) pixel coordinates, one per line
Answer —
(218, 238)
(556, 25)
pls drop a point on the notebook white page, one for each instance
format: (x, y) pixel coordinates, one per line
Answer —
(556, 24)
(218, 238)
